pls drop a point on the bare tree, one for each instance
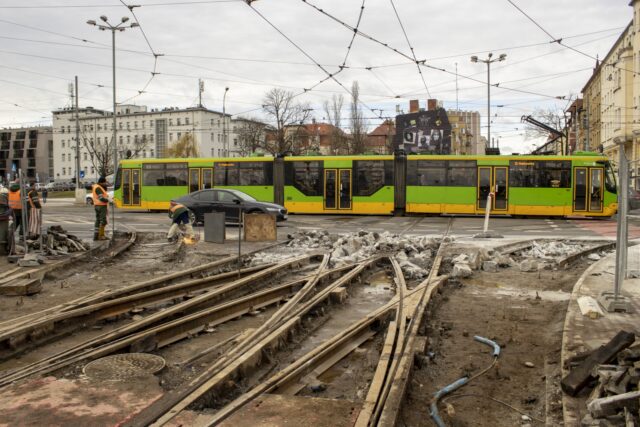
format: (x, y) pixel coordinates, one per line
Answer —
(333, 111)
(251, 136)
(358, 132)
(184, 147)
(100, 153)
(101, 148)
(280, 106)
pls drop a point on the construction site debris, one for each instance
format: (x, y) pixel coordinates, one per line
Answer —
(528, 266)
(589, 307)
(414, 254)
(490, 266)
(579, 377)
(461, 270)
(553, 250)
(58, 241)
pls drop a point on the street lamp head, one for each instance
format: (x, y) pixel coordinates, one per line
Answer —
(124, 19)
(104, 18)
(503, 57)
(474, 58)
(91, 22)
(134, 25)
(226, 89)
(490, 54)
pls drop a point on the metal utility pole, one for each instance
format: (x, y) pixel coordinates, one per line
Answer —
(200, 90)
(225, 149)
(77, 139)
(489, 61)
(24, 226)
(615, 301)
(113, 28)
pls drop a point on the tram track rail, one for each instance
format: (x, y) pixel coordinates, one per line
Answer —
(177, 312)
(387, 389)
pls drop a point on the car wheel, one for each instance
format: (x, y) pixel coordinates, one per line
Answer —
(192, 218)
(90, 202)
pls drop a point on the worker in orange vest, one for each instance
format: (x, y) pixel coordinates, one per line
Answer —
(15, 203)
(100, 203)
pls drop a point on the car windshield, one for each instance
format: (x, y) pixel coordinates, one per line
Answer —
(242, 196)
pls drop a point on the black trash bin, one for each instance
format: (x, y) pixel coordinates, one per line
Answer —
(5, 216)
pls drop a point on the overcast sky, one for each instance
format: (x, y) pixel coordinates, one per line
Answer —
(227, 43)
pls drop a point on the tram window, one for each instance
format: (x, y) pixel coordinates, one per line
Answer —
(370, 177)
(255, 173)
(305, 176)
(176, 174)
(541, 174)
(462, 173)
(388, 172)
(432, 173)
(225, 173)
(164, 174)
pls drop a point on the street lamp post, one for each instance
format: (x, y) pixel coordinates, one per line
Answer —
(113, 28)
(225, 146)
(489, 61)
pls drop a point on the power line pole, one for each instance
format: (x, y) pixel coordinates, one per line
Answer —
(77, 138)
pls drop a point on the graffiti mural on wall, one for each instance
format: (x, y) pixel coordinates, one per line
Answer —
(424, 132)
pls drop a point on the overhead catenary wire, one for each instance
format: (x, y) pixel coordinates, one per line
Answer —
(413, 53)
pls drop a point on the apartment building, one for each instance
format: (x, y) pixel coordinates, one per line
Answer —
(465, 132)
(140, 133)
(29, 149)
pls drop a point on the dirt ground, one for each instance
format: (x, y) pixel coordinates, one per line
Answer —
(522, 311)
(524, 314)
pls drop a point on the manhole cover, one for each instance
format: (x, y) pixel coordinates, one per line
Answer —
(123, 367)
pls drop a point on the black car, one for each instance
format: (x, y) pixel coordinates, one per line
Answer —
(227, 201)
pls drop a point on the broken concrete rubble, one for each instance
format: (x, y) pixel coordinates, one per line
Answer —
(414, 254)
(490, 266)
(553, 250)
(528, 265)
(461, 270)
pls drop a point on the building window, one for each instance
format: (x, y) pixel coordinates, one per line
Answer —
(119, 125)
(85, 156)
(170, 122)
(178, 121)
(179, 135)
(63, 143)
(64, 171)
(135, 125)
(186, 120)
(62, 129)
(170, 137)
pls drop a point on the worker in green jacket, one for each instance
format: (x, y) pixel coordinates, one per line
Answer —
(179, 214)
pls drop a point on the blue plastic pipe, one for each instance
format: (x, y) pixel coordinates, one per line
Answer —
(435, 415)
(496, 347)
(443, 392)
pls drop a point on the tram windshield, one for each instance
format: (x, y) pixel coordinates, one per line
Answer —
(610, 178)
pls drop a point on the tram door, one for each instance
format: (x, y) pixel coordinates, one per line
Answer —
(337, 189)
(493, 179)
(131, 187)
(200, 179)
(588, 189)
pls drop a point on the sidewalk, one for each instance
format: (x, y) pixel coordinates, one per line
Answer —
(582, 333)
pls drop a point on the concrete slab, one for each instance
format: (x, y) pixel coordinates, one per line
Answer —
(272, 410)
(585, 333)
(60, 402)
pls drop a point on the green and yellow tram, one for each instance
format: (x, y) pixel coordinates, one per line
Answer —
(578, 185)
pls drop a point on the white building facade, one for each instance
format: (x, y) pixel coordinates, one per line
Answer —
(140, 133)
